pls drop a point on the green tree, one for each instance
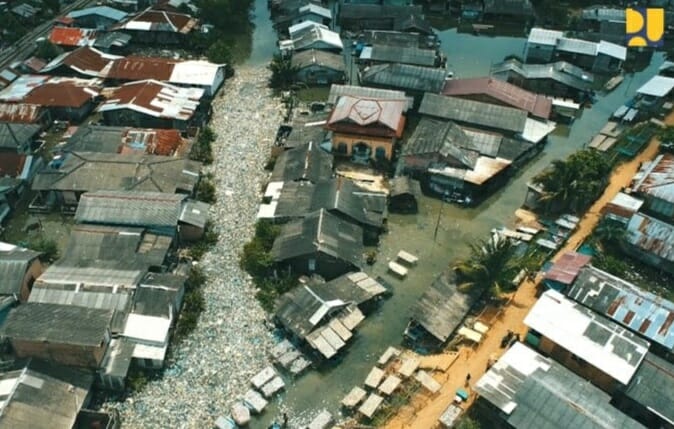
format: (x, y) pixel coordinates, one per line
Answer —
(219, 52)
(47, 50)
(572, 184)
(206, 191)
(467, 423)
(53, 5)
(48, 248)
(491, 267)
(283, 72)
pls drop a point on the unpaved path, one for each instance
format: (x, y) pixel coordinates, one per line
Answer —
(424, 411)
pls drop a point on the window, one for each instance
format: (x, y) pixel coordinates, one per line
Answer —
(380, 153)
(341, 147)
(312, 264)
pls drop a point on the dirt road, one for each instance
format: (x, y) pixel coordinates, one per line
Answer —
(424, 411)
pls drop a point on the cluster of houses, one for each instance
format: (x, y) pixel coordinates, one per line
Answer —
(610, 360)
(111, 300)
(149, 107)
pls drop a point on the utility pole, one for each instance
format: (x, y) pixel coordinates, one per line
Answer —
(437, 222)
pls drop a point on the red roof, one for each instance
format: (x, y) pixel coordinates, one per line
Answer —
(65, 20)
(141, 68)
(35, 64)
(69, 36)
(567, 267)
(507, 93)
(368, 116)
(61, 93)
(154, 141)
(86, 59)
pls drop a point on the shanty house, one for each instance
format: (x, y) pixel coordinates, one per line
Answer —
(510, 10)
(320, 243)
(650, 240)
(642, 312)
(156, 211)
(154, 104)
(438, 313)
(97, 17)
(315, 37)
(510, 122)
(315, 67)
(65, 334)
(652, 95)
(449, 159)
(403, 195)
(356, 17)
(157, 27)
(366, 128)
(525, 389)
(621, 208)
(413, 80)
(84, 61)
(650, 394)
(127, 140)
(338, 196)
(308, 12)
(654, 183)
(494, 91)
(190, 74)
(18, 138)
(72, 37)
(307, 162)
(415, 56)
(558, 79)
(43, 395)
(587, 343)
(561, 275)
(75, 173)
(325, 315)
(67, 99)
(19, 267)
(22, 113)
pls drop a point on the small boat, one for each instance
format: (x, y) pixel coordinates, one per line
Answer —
(613, 82)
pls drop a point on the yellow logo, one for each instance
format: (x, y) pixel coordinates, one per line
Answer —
(644, 26)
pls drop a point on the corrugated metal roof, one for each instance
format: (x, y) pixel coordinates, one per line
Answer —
(445, 138)
(16, 137)
(159, 20)
(154, 98)
(643, 312)
(507, 93)
(315, 57)
(612, 50)
(508, 7)
(305, 162)
(91, 276)
(561, 71)
(657, 86)
(406, 55)
(51, 91)
(542, 36)
(656, 178)
(14, 261)
(593, 338)
(533, 391)
(312, 36)
(473, 112)
(72, 36)
(57, 324)
(405, 77)
(337, 91)
(567, 267)
(130, 208)
(577, 46)
(603, 14)
(85, 60)
(651, 236)
(81, 298)
(90, 171)
(194, 213)
(653, 386)
(320, 232)
(105, 11)
(20, 112)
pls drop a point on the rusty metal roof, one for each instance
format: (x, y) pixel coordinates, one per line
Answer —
(651, 236)
(640, 311)
(85, 60)
(159, 20)
(63, 92)
(656, 178)
(567, 267)
(154, 98)
(504, 92)
(71, 36)
(20, 113)
(137, 68)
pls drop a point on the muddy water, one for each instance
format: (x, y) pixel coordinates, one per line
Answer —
(440, 232)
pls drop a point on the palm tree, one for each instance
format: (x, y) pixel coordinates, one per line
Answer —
(490, 267)
(572, 184)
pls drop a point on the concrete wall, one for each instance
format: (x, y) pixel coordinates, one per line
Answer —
(66, 354)
(350, 140)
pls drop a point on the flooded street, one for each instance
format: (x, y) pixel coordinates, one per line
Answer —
(468, 56)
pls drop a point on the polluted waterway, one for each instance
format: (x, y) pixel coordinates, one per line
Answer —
(439, 234)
